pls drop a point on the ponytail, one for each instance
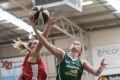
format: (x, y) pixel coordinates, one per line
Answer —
(20, 44)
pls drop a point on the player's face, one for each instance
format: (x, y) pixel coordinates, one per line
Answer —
(34, 43)
(76, 46)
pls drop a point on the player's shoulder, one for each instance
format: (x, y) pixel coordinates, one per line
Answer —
(84, 61)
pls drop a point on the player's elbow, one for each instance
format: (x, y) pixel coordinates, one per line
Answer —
(95, 73)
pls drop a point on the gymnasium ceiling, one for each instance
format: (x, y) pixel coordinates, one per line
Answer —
(97, 16)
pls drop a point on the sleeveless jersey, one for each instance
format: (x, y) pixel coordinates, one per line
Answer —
(69, 69)
(33, 71)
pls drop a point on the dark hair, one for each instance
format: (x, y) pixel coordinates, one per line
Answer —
(80, 51)
(103, 77)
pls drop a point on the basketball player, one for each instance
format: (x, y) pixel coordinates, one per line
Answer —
(70, 66)
(33, 67)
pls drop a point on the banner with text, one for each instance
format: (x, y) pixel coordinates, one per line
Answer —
(11, 68)
(111, 53)
(110, 77)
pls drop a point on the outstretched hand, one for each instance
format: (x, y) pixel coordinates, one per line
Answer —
(51, 21)
(103, 64)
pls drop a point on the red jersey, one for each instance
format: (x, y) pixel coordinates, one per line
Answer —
(33, 71)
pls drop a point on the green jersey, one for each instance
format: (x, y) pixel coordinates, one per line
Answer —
(69, 69)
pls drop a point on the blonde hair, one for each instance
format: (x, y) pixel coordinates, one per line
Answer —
(20, 44)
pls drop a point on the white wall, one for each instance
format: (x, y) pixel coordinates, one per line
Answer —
(105, 39)
(64, 43)
(8, 51)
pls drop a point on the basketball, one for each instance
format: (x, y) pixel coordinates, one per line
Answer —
(39, 15)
